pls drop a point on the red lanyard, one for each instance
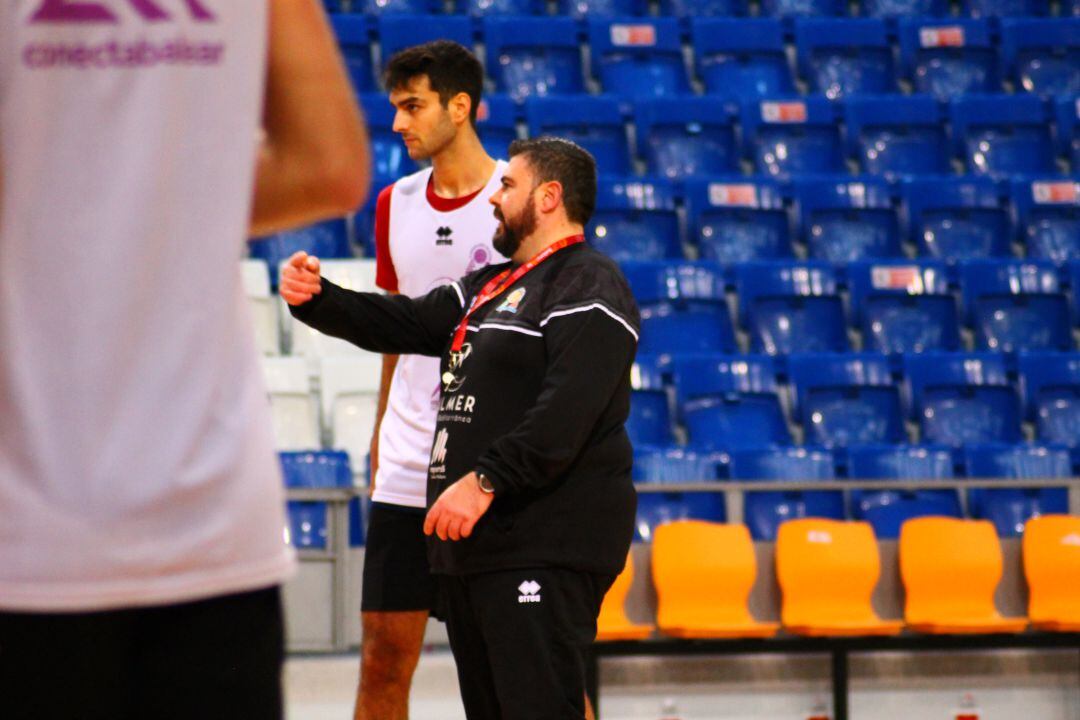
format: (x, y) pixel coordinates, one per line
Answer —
(499, 284)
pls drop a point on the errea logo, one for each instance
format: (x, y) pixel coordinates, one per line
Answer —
(97, 11)
(530, 592)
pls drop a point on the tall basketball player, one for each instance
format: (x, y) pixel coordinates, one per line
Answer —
(430, 228)
(141, 505)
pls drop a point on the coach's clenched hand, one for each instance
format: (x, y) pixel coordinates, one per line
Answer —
(457, 510)
(300, 279)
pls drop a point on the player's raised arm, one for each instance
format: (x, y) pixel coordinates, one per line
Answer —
(314, 162)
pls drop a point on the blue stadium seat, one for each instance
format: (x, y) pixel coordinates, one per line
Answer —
(307, 524)
(787, 307)
(846, 399)
(1015, 305)
(962, 398)
(842, 219)
(1010, 508)
(1003, 134)
(638, 57)
(903, 306)
(660, 465)
(1067, 121)
(741, 58)
(792, 136)
(332, 6)
(949, 57)
(388, 154)
(351, 32)
(1050, 383)
(704, 375)
(841, 57)
(763, 512)
(496, 121)
(656, 508)
(649, 421)
(1042, 55)
(803, 8)
(501, 7)
(1070, 7)
(316, 469)
(681, 284)
(635, 220)
(595, 123)
(397, 32)
(887, 510)
(1004, 8)
(901, 8)
(703, 8)
(533, 56)
(957, 218)
(686, 136)
(396, 7)
(1048, 217)
(735, 219)
(329, 239)
(601, 8)
(735, 421)
(895, 135)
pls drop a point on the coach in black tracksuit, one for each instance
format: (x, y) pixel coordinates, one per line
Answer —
(531, 505)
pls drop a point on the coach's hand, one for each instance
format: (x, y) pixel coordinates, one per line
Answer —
(458, 509)
(300, 279)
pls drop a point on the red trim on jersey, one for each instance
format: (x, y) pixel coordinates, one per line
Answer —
(385, 273)
(442, 204)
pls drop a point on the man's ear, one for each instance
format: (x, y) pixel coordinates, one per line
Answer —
(551, 196)
(460, 108)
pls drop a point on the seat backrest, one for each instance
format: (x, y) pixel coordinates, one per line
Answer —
(731, 422)
(704, 8)
(810, 372)
(900, 462)
(1048, 216)
(903, 306)
(846, 399)
(736, 219)
(649, 420)
(669, 331)
(711, 374)
(635, 220)
(949, 57)
(785, 136)
(1042, 55)
(741, 58)
(595, 123)
(902, 8)
(803, 8)
(353, 374)
(827, 571)
(396, 7)
(685, 137)
(501, 7)
(656, 509)
(601, 8)
(316, 469)
(845, 56)
(997, 460)
(791, 306)
(956, 218)
(653, 464)
(846, 219)
(533, 56)
(1005, 8)
(638, 57)
(1051, 551)
(496, 122)
(703, 570)
(897, 135)
(1044, 375)
(950, 370)
(1010, 508)
(1002, 134)
(613, 610)
(1015, 305)
(1067, 120)
(397, 32)
(950, 568)
(674, 282)
(352, 34)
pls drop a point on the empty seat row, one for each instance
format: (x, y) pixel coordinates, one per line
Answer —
(709, 8)
(885, 509)
(827, 571)
(643, 57)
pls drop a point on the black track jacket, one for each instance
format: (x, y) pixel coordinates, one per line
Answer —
(538, 405)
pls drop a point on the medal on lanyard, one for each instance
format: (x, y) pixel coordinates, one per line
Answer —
(495, 287)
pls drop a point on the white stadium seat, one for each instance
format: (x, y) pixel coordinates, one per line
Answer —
(294, 410)
(263, 309)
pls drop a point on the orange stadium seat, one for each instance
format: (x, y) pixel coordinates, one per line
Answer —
(1052, 565)
(827, 571)
(703, 574)
(950, 570)
(613, 624)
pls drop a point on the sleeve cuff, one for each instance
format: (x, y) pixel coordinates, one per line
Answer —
(303, 312)
(501, 486)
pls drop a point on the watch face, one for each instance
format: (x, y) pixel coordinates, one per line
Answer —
(485, 484)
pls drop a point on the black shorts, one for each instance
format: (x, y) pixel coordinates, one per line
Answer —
(397, 576)
(216, 658)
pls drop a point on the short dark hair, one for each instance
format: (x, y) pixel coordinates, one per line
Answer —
(449, 66)
(556, 159)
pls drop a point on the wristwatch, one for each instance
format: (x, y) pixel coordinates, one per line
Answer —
(484, 483)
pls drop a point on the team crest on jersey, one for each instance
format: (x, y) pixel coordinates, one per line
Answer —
(513, 300)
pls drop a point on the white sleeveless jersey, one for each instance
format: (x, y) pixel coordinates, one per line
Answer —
(423, 247)
(136, 452)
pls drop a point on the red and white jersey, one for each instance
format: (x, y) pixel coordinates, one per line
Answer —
(137, 463)
(422, 241)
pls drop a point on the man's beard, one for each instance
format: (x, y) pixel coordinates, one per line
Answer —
(510, 233)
